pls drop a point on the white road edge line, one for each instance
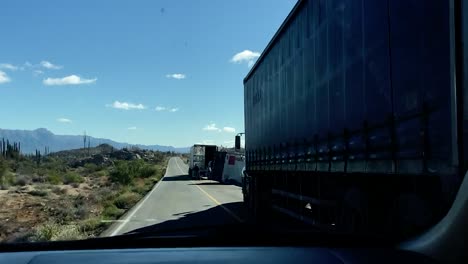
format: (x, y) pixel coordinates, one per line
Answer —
(139, 205)
(181, 170)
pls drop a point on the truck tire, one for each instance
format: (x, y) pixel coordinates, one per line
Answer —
(190, 172)
(261, 200)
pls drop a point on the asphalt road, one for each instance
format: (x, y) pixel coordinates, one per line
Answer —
(180, 202)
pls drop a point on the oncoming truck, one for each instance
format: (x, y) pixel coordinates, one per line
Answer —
(355, 116)
(200, 157)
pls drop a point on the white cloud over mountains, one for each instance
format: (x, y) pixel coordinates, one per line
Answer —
(49, 65)
(68, 80)
(177, 76)
(212, 127)
(126, 106)
(64, 120)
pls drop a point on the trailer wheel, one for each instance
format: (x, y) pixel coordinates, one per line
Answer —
(262, 200)
(353, 212)
(250, 201)
(245, 189)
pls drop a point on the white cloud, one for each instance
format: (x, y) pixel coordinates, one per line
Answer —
(177, 76)
(126, 106)
(68, 80)
(132, 128)
(29, 65)
(37, 72)
(4, 77)
(206, 142)
(64, 120)
(246, 56)
(8, 66)
(229, 129)
(163, 108)
(50, 66)
(211, 127)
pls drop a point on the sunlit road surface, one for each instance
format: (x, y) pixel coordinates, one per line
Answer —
(180, 202)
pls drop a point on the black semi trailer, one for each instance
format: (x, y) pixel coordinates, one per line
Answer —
(355, 118)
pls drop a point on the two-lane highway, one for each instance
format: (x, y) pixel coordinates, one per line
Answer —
(177, 202)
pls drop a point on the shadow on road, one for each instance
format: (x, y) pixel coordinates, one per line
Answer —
(211, 217)
(218, 183)
(207, 183)
(177, 178)
(184, 213)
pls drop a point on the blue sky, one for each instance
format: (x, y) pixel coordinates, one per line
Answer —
(147, 72)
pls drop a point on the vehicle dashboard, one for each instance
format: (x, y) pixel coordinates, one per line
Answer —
(223, 255)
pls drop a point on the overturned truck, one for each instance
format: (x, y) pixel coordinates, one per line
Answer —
(200, 158)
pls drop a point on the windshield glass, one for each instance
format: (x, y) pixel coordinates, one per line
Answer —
(136, 116)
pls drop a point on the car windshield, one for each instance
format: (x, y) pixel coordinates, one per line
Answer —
(341, 117)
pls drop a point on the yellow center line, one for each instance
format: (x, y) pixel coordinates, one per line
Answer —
(231, 213)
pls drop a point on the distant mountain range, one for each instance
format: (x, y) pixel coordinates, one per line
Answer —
(40, 138)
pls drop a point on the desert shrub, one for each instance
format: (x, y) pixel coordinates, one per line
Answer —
(65, 213)
(104, 194)
(38, 178)
(91, 224)
(7, 179)
(54, 164)
(82, 207)
(26, 166)
(82, 212)
(111, 211)
(22, 180)
(147, 171)
(102, 173)
(122, 173)
(125, 171)
(46, 232)
(42, 171)
(54, 178)
(91, 167)
(41, 193)
(44, 186)
(59, 191)
(70, 232)
(126, 200)
(56, 232)
(140, 188)
(3, 166)
(72, 177)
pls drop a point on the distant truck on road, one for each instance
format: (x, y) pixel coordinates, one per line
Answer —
(355, 116)
(200, 157)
